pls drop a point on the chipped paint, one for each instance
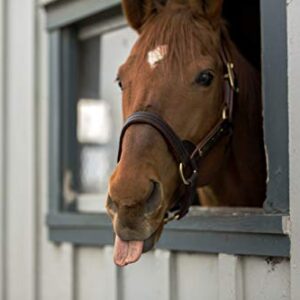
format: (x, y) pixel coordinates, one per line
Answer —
(286, 225)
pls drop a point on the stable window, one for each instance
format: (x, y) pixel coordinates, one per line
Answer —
(88, 40)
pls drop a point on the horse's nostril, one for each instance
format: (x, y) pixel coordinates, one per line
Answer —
(110, 204)
(153, 201)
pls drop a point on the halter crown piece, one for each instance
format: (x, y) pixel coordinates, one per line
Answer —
(189, 162)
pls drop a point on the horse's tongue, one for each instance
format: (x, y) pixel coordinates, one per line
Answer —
(127, 252)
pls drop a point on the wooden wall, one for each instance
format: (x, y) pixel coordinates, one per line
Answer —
(32, 268)
(293, 11)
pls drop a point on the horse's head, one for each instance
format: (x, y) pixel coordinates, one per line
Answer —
(175, 71)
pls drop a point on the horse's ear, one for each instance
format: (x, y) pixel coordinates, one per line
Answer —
(138, 11)
(210, 8)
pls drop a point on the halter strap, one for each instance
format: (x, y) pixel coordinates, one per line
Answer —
(177, 148)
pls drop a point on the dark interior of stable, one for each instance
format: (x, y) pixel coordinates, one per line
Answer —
(243, 21)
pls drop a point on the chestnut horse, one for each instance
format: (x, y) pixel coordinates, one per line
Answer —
(176, 71)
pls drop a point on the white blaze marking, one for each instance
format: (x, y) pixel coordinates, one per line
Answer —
(157, 55)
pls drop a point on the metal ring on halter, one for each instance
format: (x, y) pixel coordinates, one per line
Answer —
(225, 113)
(184, 180)
(171, 217)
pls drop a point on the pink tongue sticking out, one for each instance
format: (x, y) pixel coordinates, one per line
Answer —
(127, 252)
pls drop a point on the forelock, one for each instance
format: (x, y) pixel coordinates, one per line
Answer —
(185, 36)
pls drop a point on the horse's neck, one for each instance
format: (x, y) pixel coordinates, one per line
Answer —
(241, 181)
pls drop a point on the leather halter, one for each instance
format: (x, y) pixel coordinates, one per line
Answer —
(189, 162)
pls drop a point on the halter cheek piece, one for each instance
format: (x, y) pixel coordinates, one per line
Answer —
(189, 161)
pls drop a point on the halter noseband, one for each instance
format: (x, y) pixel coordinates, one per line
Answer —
(189, 162)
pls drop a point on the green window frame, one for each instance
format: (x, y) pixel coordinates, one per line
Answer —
(234, 231)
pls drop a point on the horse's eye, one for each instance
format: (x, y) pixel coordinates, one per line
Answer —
(205, 78)
(119, 81)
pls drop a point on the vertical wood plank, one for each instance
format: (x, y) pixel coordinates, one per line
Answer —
(230, 278)
(56, 262)
(96, 274)
(148, 279)
(266, 278)
(20, 99)
(57, 272)
(41, 67)
(167, 270)
(2, 143)
(293, 8)
(197, 276)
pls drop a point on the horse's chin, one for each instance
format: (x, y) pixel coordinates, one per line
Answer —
(151, 241)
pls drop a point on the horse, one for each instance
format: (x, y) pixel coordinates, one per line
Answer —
(187, 94)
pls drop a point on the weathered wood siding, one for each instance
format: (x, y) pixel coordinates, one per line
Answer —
(293, 12)
(2, 169)
(18, 117)
(32, 268)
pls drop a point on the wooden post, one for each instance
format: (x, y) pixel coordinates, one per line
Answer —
(20, 209)
(293, 8)
(2, 143)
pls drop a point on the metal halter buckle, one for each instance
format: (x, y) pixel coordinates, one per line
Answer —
(230, 76)
(225, 113)
(184, 180)
(171, 217)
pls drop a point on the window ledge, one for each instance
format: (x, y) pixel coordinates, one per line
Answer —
(221, 230)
